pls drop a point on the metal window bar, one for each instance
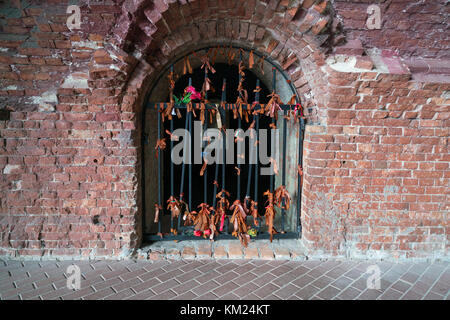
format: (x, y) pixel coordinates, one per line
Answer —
(216, 177)
(257, 107)
(205, 127)
(274, 87)
(190, 162)
(159, 175)
(238, 190)
(300, 163)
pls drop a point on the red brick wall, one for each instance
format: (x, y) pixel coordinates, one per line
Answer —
(376, 157)
(377, 174)
(414, 28)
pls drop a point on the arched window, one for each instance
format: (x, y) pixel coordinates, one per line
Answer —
(223, 134)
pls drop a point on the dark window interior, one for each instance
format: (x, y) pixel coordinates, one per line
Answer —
(231, 74)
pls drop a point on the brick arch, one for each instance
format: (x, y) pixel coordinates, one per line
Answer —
(296, 34)
(144, 25)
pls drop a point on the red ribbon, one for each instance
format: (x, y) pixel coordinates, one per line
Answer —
(298, 106)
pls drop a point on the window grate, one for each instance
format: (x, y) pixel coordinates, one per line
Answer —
(181, 232)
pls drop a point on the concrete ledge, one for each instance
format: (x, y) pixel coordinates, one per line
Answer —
(223, 249)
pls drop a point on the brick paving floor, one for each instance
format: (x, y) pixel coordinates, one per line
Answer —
(222, 279)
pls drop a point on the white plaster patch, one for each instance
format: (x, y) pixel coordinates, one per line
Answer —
(390, 190)
(343, 63)
(86, 44)
(114, 67)
(46, 101)
(10, 88)
(17, 185)
(9, 168)
(72, 82)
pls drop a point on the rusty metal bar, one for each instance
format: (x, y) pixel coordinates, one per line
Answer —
(238, 191)
(190, 160)
(274, 87)
(205, 127)
(283, 178)
(159, 175)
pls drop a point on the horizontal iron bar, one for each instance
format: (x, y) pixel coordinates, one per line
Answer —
(228, 106)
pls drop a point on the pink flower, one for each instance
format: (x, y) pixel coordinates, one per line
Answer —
(191, 89)
(197, 233)
(207, 232)
(194, 94)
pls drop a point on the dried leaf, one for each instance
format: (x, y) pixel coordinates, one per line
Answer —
(253, 211)
(270, 214)
(238, 219)
(293, 99)
(300, 173)
(218, 120)
(274, 164)
(160, 145)
(251, 60)
(213, 60)
(172, 136)
(202, 171)
(273, 106)
(282, 199)
(187, 66)
(261, 65)
(174, 206)
(202, 112)
(157, 209)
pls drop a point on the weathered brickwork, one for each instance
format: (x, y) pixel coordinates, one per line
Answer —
(377, 170)
(376, 161)
(414, 28)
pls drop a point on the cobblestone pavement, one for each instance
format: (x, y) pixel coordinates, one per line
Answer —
(222, 279)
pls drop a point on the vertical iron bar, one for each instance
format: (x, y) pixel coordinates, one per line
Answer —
(250, 170)
(205, 126)
(239, 167)
(300, 163)
(216, 177)
(217, 162)
(172, 174)
(224, 144)
(159, 174)
(283, 178)
(249, 177)
(171, 146)
(190, 154)
(272, 177)
(257, 147)
(239, 127)
(183, 168)
(257, 167)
